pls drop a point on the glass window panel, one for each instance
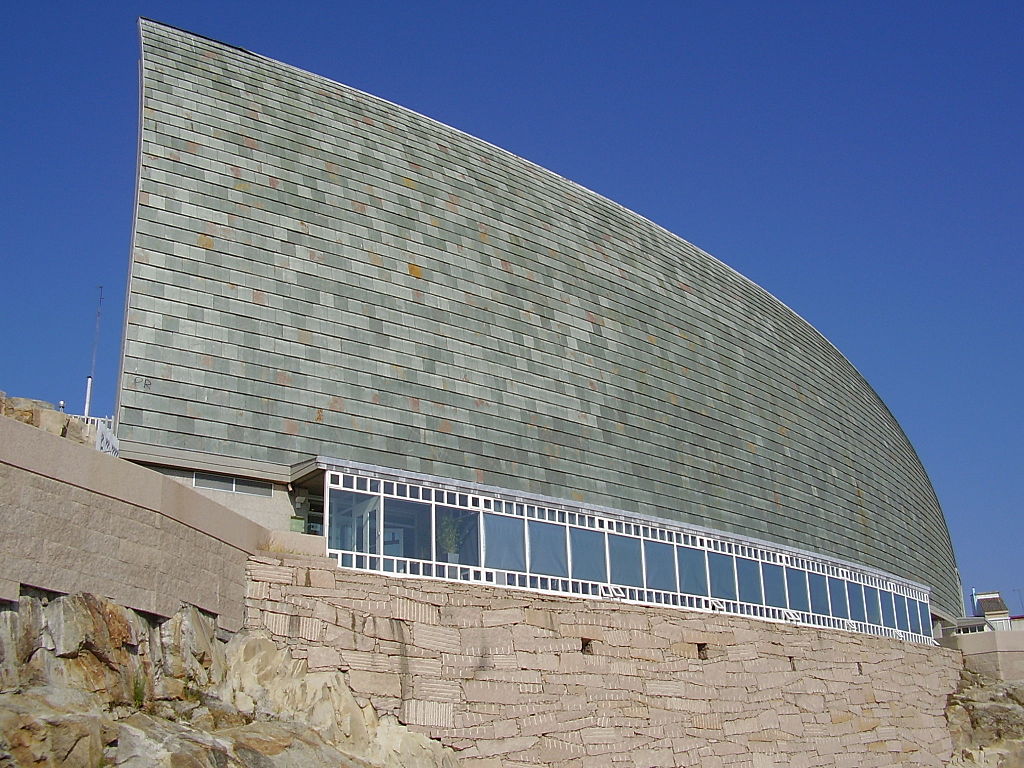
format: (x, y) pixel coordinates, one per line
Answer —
(353, 521)
(888, 612)
(723, 580)
(627, 568)
(914, 612)
(748, 574)
(587, 555)
(457, 536)
(407, 529)
(902, 621)
(214, 482)
(693, 571)
(253, 487)
(796, 581)
(547, 549)
(504, 542)
(774, 585)
(837, 591)
(871, 603)
(661, 566)
(926, 619)
(819, 593)
(855, 593)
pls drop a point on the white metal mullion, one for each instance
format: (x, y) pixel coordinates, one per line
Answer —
(607, 559)
(433, 526)
(568, 555)
(785, 585)
(527, 566)
(735, 575)
(760, 577)
(327, 509)
(675, 564)
(707, 571)
(482, 546)
(643, 563)
(380, 528)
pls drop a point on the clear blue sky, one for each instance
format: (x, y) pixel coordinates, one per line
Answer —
(862, 161)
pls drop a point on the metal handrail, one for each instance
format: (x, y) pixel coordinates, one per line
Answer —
(106, 421)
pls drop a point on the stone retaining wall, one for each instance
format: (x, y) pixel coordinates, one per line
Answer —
(516, 679)
(994, 654)
(76, 520)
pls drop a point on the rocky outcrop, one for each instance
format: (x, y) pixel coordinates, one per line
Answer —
(84, 682)
(986, 720)
(45, 416)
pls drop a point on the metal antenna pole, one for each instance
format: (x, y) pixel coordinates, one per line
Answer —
(95, 345)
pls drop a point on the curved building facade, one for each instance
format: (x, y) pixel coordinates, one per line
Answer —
(318, 272)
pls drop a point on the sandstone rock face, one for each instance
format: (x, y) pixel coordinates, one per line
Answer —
(84, 682)
(986, 720)
(46, 417)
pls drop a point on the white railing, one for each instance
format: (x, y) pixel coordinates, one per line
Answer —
(427, 569)
(106, 421)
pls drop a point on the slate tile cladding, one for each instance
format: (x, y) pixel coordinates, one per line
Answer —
(317, 271)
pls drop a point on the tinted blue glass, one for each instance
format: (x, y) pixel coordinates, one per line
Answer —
(547, 549)
(871, 603)
(504, 545)
(407, 529)
(774, 585)
(837, 591)
(914, 612)
(748, 574)
(624, 553)
(819, 593)
(457, 536)
(661, 566)
(587, 555)
(888, 612)
(796, 581)
(693, 574)
(352, 521)
(723, 579)
(902, 622)
(926, 619)
(855, 592)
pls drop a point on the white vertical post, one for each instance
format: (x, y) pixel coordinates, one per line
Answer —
(88, 395)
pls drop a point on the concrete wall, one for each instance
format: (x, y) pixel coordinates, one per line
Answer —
(76, 520)
(519, 679)
(316, 271)
(272, 512)
(996, 654)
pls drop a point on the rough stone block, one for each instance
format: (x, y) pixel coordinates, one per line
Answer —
(432, 689)
(428, 713)
(375, 683)
(408, 609)
(273, 574)
(323, 657)
(437, 638)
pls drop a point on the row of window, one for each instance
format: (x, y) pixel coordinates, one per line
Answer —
(232, 484)
(428, 530)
